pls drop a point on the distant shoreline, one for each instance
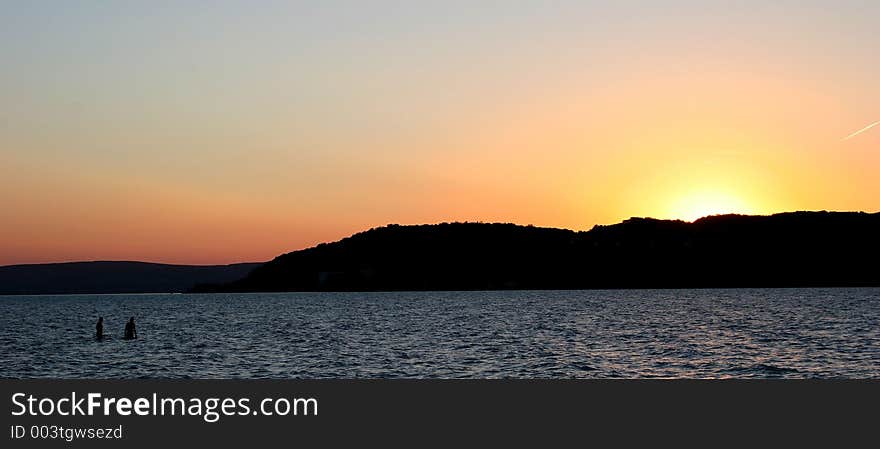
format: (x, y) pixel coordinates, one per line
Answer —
(112, 277)
(787, 250)
(815, 287)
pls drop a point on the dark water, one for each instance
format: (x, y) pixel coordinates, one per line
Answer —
(763, 333)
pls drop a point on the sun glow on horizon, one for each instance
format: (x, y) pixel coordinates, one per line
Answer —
(704, 203)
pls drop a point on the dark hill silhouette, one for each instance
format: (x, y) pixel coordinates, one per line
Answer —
(113, 277)
(789, 249)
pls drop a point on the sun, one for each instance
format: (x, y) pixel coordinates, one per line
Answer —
(703, 203)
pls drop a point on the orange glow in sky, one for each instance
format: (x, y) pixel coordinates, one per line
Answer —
(144, 133)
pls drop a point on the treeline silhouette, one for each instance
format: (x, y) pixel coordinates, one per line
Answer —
(784, 250)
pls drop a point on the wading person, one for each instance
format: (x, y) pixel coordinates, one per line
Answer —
(130, 330)
(99, 328)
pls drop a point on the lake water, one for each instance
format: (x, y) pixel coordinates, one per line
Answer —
(739, 333)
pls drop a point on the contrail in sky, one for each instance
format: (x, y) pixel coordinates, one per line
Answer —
(861, 130)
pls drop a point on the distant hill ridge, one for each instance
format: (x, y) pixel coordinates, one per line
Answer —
(783, 250)
(113, 277)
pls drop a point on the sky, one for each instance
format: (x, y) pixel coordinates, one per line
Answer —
(226, 131)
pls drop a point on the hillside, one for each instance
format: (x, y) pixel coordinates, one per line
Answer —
(113, 277)
(789, 249)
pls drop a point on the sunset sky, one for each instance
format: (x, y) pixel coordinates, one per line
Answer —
(225, 131)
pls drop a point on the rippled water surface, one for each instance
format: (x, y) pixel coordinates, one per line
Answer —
(797, 333)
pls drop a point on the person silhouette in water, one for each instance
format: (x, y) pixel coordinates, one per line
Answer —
(99, 328)
(130, 330)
